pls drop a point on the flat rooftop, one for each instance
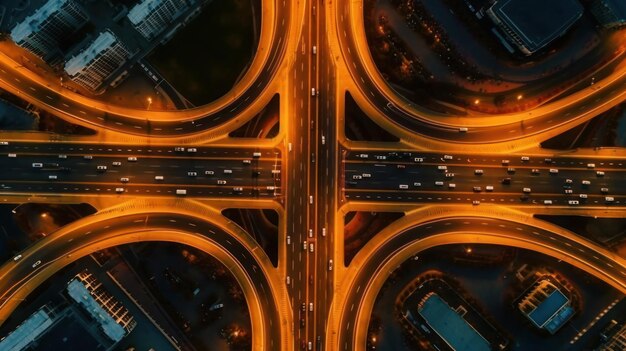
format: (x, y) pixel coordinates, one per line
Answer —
(538, 22)
(450, 326)
(68, 334)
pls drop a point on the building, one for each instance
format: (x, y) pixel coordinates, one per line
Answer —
(546, 306)
(451, 327)
(610, 13)
(91, 319)
(613, 337)
(532, 24)
(42, 31)
(92, 66)
(151, 17)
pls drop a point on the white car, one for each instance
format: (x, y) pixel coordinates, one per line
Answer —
(119, 190)
(403, 186)
(192, 174)
(17, 258)
(573, 202)
(101, 168)
(192, 149)
(311, 247)
(132, 159)
(158, 177)
(116, 163)
(209, 172)
(478, 171)
(179, 149)
(36, 263)
(124, 180)
(53, 177)
(221, 182)
(330, 265)
(62, 156)
(447, 157)
(288, 240)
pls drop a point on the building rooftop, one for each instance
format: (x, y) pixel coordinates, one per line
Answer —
(142, 10)
(27, 332)
(450, 326)
(32, 23)
(537, 22)
(80, 294)
(104, 41)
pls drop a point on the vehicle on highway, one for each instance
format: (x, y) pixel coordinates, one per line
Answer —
(304, 245)
(4, 143)
(547, 160)
(17, 258)
(237, 189)
(534, 171)
(463, 129)
(449, 175)
(568, 181)
(323, 140)
(451, 185)
(192, 174)
(209, 172)
(489, 188)
(311, 199)
(228, 171)
(290, 146)
(101, 168)
(510, 170)
(381, 157)
(311, 247)
(132, 159)
(526, 190)
(181, 191)
(357, 177)
(247, 162)
(442, 168)
(447, 157)
(256, 154)
(400, 166)
(119, 190)
(275, 171)
(302, 324)
(525, 158)
(506, 181)
(554, 171)
(288, 280)
(310, 306)
(438, 183)
(124, 180)
(12, 155)
(179, 149)
(599, 173)
(313, 92)
(88, 157)
(363, 156)
(37, 263)
(609, 199)
(573, 202)
(303, 307)
(547, 202)
(478, 171)
(505, 162)
(37, 165)
(62, 156)
(366, 175)
(569, 191)
(310, 232)
(591, 165)
(314, 50)
(586, 182)
(330, 265)
(477, 189)
(418, 159)
(52, 177)
(604, 190)
(310, 347)
(475, 202)
(583, 196)
(116, 163)
(221, 182)
(192, 149)
(403, 186)
(158, 177)
(324, 231)
(417, 184)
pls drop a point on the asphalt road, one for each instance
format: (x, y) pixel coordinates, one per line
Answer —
(76, 175)
(486, 227)
(17, 274)
(385, 176)
(137, 125)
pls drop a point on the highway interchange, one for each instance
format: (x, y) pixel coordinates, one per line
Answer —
(311, 300)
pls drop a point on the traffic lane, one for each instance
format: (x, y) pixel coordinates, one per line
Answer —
(404, 157)
(140, 151)
(57, 248)
(141, 126)
(425, 177)
(451, 225)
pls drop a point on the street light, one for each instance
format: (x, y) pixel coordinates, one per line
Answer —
(149, 99)
(519, 97)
